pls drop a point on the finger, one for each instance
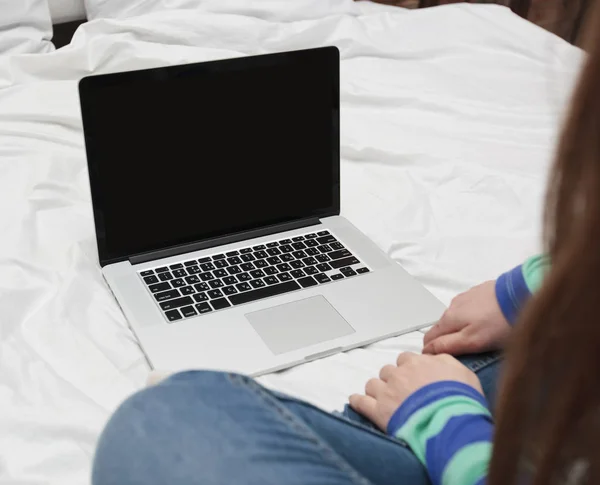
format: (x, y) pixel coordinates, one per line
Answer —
(387, 372)
(365, 405)
(405, 357)
(446, 325)
(374, 387)
(453, 344)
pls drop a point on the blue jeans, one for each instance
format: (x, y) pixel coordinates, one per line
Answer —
(214, 428)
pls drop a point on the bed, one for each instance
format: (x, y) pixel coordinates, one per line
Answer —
(449, 121)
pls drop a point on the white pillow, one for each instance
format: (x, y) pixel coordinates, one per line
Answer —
(25, 27)
(272, 9)
(66, 10)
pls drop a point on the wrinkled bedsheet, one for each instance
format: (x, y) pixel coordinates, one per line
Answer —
(449, 119)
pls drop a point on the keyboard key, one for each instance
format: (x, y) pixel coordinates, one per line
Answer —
(193, 270)
(337, 276)
(221, 263)
(261, 263)
(243, 287)
(245, 250)
(200, 297)
(178, 283)
(229, 290)
(160, 287)
(176, 303)
(326, 239)
(147, 273)
(259, 247)
(266, 292)
(287, 257)
(248, 257)
(230, 280)
(165, 276)
(270, 270)
(179, 273)
(308, 281)
(207, 267)
(207, 276)
(260, 254)
(192, 279)
(286, 249)
(297, 264)
(325, 248)
(150, 279)
(257, 283)
(343, 253)
(299, 245)
(339, 263)
(337, 245)
(311, 243)
(187, 290)
(244, 277)
(232, 253)
(173, 315)
(312, 251)
(311, 270)
(285, 241)
(257, 273)
(247, 267)
(201, 287)
(322, 258)
(220, 273)
(191, 262)
(312, 235)
(204, 260)
(162, 269)
(298, 238)
(322, 278)
(203, 308)
(215, 284)
(322, 233)
(272, 244)
(234, 260)
(273, 252)
(362, 270)
(273, 260)
(271, 280)
(215, 294)
(297, 273)
(188, 311)
(284, 277)
(347, 272)
(323, 267)
(309, 261)
(284, 267)
(176, 266)
(299, 254)
(220, 303)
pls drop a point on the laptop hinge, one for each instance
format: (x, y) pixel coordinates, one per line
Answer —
(220, 241)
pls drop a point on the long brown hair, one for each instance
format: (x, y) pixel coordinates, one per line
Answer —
(548, 422)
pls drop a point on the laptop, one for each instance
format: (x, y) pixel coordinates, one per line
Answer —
(216, 197)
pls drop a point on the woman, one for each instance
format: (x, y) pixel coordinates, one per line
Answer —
(425, 419)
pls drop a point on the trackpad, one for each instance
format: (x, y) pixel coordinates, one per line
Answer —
(299, 324)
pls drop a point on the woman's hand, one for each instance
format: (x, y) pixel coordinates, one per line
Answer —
(384, 396)
(473, 323)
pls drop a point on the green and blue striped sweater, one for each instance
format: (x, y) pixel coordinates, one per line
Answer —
(448, 424)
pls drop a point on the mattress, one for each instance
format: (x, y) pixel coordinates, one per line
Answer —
(449, 121)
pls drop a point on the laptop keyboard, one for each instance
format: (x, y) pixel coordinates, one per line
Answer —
(199, 286)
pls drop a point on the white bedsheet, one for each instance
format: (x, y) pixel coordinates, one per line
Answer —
(449, 118)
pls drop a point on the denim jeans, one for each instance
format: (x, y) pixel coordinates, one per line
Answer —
(214, 428)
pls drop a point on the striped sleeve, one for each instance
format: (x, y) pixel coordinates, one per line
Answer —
(516, 286)
(449, 428)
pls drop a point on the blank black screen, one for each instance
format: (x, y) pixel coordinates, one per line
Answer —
(187, 153)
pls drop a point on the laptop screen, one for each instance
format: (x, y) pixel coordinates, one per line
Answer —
(182, 154)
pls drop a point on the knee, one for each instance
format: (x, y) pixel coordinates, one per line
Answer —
(145, 440)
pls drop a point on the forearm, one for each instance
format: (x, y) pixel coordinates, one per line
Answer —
(449, 428)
